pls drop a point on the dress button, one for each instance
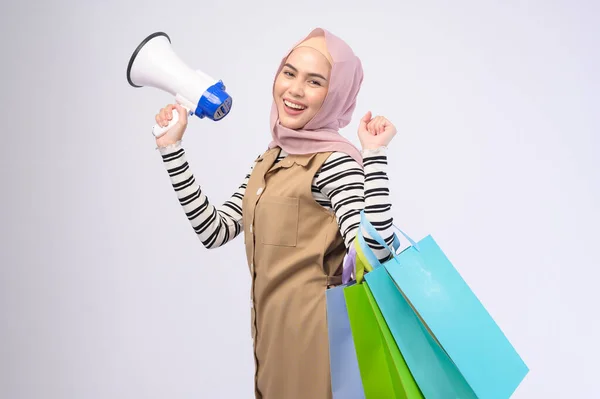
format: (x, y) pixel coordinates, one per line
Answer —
(259, 191)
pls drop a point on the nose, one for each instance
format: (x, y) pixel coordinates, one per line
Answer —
(296, 88)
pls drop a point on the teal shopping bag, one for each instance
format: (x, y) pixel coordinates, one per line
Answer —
(462, 338)
(431, 368)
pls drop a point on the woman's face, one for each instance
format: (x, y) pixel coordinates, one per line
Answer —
(301, 87)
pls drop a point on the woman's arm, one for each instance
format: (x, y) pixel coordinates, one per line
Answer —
(350, 188)
(214, 227)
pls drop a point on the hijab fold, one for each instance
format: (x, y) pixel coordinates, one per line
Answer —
(321, 133)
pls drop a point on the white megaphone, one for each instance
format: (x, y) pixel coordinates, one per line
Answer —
(155, 64)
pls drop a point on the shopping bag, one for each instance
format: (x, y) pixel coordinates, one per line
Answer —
(432, 369)
(383, 371)
(452, 315)
(345, 376)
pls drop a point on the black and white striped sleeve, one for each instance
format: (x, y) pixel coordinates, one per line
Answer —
(378, 207)
(214, 227)
(351, 189)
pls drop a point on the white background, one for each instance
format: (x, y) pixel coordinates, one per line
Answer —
(105, 292)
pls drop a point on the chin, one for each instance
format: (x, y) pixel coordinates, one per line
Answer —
(290, 122)
(294, 125)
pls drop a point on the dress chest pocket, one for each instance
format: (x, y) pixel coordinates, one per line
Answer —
(277, 221)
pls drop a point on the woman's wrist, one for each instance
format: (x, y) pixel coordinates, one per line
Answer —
(164, 148)
(374, 151)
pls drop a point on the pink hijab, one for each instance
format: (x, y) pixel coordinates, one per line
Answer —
(321, 133)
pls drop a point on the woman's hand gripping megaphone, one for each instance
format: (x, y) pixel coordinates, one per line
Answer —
(171, 122)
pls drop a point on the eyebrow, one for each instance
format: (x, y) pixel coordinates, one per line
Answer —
(310, 74)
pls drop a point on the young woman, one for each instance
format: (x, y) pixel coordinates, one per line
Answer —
(299, 209)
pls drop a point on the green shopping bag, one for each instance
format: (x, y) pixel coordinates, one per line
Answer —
(383, 371)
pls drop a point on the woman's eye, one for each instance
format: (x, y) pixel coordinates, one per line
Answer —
(314, 82)
(288, 73)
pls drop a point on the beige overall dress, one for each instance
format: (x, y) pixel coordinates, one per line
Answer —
(295, 251)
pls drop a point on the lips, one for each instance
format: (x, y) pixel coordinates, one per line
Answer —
(294, 104)
(292, 107)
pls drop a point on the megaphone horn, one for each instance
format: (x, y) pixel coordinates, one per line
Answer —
(155, 64)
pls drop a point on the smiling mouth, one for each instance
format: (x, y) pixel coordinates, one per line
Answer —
(294, 106)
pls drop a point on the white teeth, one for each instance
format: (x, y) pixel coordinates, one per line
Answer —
(291, 105)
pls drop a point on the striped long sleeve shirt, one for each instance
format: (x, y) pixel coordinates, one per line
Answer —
(341, 185)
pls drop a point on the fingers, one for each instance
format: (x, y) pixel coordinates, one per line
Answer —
(165, 115)
(161, 117)
(371, 127)
(381, 124)
(377, 125)
(364, 121)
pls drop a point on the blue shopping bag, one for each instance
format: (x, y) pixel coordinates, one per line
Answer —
(434, 372)
(459, 342)
(346, 382)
